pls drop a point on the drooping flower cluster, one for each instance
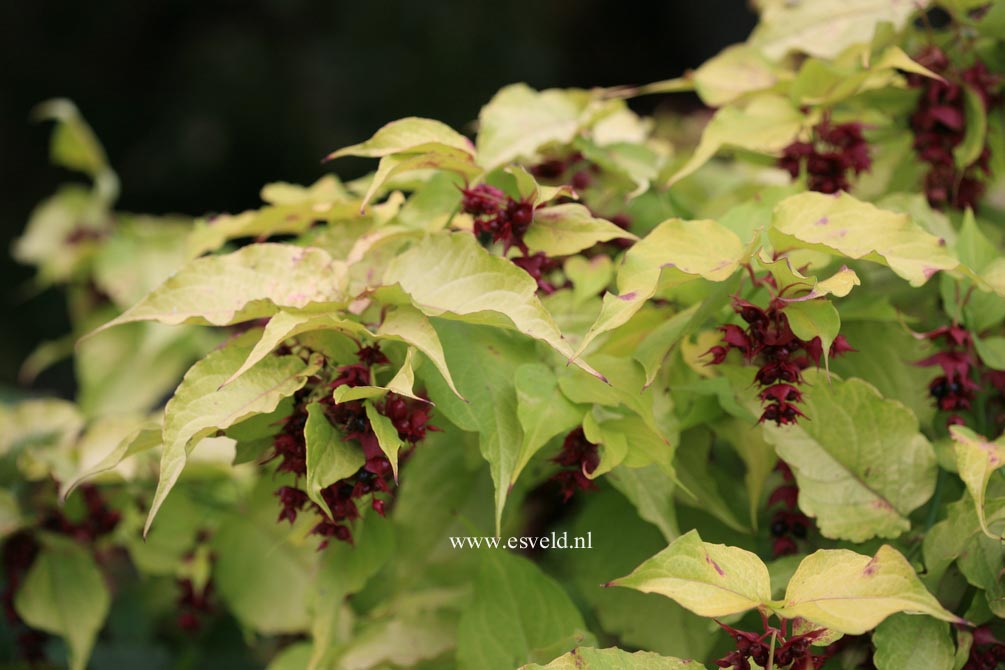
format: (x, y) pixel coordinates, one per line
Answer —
(769, 342)
(788, 524)
(833, 153)
(578, 458)
(193, 604)
(374, 479)
(793, 652)
(500, 218)
(939, 124)
(99, 519)
(955, 388)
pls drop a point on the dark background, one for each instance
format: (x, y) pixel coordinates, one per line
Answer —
(199, 103)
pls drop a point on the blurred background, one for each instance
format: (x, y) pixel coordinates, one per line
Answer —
(199, 103)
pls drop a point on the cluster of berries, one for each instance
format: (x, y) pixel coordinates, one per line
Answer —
(834, 151)
(578, 458)
(409, 417)
(788, 524)
(789, 652)
(768, 340)
(987, 652)
(500, 218)
(939, 126)
(20, 549)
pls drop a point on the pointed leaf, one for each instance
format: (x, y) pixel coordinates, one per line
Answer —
(767, 124)
(409, 135)
(852, 593)
(454, 277)
(844, 226)
(519, 120)
(711, 580)
(905, 642)
(543, 410)
(517, 613)
(64, 593)
(824, 28)
(200, 406)
(976, 460)
(387, 436)
(329, 456)
(407, 324)
(860, 461)
(679, 251)
(251, 283)
(587, 658)
(561, 230)
(288, 323)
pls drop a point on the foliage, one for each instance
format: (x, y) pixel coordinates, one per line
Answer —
(768, 338)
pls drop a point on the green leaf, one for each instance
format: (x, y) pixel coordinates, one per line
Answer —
(844, 226)
(884, 358)
(387, 436)
(906, 642)
(814, 318)
(711, 580)
(587, 658)
(650, 489)
(345, 569)
(253, 282)
(766, 124)
(443, 158)
(74, 144)
(519, 120)
(265, 580)
(736, 71)
(200, 406)
(975, 132)
(288, 323)
(484, 361)
(976, 461)
(329, 456)
(589, 277)
(823, 28)
(517, 615)
(544, 412)
(411, 135)
(561, 230)
(143, 438)
(64, 593)
(407, 324)
(676, 251)
(991, 351)
(851, 593)
(453, 277)
(758, 455)
(612, 443)
(861, 464)
(960, 538)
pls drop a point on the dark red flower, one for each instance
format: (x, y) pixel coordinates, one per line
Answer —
(579, 457)
(834, 152)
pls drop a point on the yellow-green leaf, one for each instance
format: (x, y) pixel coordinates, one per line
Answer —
(711, 580)
(329, 456)
(843, 226)
(64, 593)
(976, 461)
(253, 282)
(561, 230)
(587, 658)
(851, 593)
(410, 135)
